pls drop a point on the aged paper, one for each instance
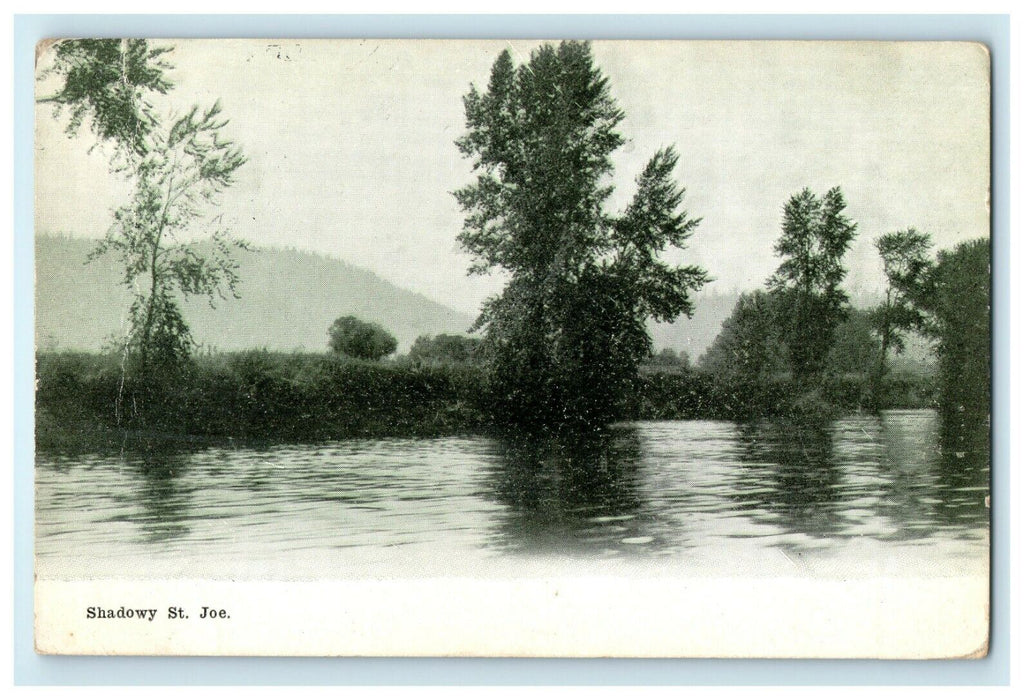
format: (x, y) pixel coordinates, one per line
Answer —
(512, 348)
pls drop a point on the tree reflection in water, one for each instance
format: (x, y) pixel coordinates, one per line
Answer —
(161, 492)
(964, 463)
(571, 494)
(789, 469)
(910, 485)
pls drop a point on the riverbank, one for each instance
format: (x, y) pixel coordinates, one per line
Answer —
(252, 396)
(88, 400)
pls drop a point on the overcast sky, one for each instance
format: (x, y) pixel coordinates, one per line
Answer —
(351, 146)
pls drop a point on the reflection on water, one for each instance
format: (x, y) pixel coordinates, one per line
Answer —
(689, 489)
(790, 476)
(571, 493)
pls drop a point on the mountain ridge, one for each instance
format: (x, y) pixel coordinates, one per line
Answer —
(288, 299)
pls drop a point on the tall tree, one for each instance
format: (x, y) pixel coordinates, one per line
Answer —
(806, 287)
(177, 173)
(904, 256)
(180, 176)
(956, 296)
(565, 337)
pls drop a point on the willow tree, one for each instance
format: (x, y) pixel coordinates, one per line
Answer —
(175, 183)
(176, 171)
(564, 339)
(806, 287)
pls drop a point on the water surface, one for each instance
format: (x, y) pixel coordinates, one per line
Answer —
(869, 495)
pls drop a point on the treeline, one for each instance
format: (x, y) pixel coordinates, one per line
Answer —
(565, 345)
(945, 300)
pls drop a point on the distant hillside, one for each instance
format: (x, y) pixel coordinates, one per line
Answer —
(288, 301)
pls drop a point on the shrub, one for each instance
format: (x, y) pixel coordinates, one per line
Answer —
(351, 336)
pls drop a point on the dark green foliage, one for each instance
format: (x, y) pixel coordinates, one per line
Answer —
(806, 288)
(353, 337)
(906, 265)
(446, 349)
(667, 360)
(566, 336)
(694, 394)
(256, 395)
(956, 297)
(749, 343)
(749, 373)
(106, 82)
(855, 349)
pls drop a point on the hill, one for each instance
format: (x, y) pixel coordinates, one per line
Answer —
(288, 299)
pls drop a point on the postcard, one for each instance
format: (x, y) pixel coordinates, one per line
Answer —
(512, 348)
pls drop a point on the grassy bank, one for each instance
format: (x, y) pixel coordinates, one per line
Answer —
(253, 396)
(691, 394)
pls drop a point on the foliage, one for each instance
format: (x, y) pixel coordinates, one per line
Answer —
(806, 288)
(356, 338)
(181, 175)
(904, 256)
(565, 337)
(956, 296)
(445, 348)
(177, 172)
(748, 344)
(855, 349)
(254, 395)
(105, 82)
(263, 395)
(666, 360)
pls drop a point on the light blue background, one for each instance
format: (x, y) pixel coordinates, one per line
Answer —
(29, 668)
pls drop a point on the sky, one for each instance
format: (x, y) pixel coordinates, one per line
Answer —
(351, 153)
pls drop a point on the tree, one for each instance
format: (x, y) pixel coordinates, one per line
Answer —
(906, 264)
(356, 338)
(182, 172)
(855, 348)
(105, 82)
(806, 288)
(956, 296)
(565, 338)
(177, 174)
(748, 346)
(667, 359)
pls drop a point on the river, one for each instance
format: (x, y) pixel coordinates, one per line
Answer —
(863, 495)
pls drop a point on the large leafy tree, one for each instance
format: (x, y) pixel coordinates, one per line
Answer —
(956, 298)
(565, 337)
(904, 256)
(806, 287)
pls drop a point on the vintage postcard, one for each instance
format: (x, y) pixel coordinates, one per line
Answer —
(512, 348)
